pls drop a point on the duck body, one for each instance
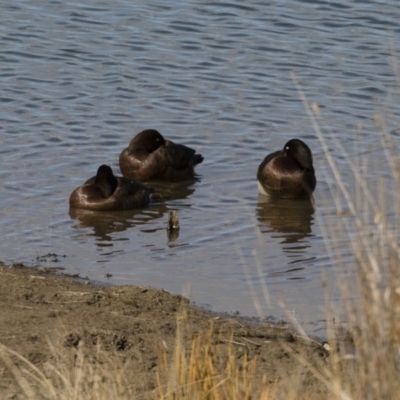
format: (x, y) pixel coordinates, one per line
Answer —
(288, 173)
(151, 157)
(107, 192)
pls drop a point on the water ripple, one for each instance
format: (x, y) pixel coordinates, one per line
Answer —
(80, 80)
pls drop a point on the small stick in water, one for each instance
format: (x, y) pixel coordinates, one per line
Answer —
(173, 221)
(173, 227)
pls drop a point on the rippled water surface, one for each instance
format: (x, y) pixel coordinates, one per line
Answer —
(80, 79)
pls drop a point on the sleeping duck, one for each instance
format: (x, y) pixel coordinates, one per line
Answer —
(107, 192)
(151, 157)
(288, 173)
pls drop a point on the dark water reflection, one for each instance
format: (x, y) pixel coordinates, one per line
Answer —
(291, 219)
(175, 190)
(291, 222)
(104, 224)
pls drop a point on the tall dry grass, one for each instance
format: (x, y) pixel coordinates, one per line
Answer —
(95, 378)
(204, 373)
(372, 305)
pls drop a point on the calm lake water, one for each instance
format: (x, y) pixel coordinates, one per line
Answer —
(80, 79)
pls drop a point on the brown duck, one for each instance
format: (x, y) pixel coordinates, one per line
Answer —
(107, 192)
(288, 173)
(151, 157)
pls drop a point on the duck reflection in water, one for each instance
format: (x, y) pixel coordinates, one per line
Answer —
(177, 190)
(105, 224)
(292, 218)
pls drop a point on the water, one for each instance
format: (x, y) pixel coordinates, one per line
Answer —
(80, 79)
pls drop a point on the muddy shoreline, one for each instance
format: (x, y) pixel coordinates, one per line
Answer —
(42, 311)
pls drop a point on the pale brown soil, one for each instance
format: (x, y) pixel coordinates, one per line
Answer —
(133, 324)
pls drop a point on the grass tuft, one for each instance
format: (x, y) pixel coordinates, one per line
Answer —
(204, 372)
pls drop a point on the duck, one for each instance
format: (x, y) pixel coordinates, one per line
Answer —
(288, 173)
(151, 157)
(107, 192)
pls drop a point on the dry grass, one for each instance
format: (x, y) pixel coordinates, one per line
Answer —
(373, 315)
(204, 373)
(95, 378)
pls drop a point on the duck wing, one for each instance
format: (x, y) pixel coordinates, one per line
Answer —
(130, 194)
(179, 156)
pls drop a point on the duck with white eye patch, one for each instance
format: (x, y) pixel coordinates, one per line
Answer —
(288, 173)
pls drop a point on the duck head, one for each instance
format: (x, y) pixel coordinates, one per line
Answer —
(148, 140)
(298, 150)
(106, 180)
